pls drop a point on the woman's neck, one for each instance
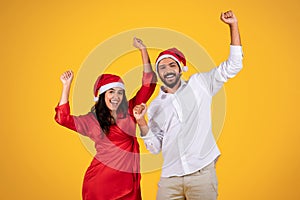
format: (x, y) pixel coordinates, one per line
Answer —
(114, 114)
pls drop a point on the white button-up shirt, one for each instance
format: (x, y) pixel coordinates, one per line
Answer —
(180, 124)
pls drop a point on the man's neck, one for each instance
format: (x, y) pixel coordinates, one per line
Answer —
(174, 89)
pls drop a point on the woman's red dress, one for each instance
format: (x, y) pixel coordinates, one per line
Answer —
(114, 173)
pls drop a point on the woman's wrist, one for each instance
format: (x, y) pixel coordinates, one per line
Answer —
(141, 122)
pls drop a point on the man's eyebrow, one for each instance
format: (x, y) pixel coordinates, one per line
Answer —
(171, 63)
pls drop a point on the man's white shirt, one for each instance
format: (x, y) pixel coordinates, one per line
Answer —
(180, 124)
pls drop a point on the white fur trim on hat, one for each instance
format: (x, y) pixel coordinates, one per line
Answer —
(166, 56)
(107, 87)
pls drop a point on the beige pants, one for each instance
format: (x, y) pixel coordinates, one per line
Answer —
(201, 185)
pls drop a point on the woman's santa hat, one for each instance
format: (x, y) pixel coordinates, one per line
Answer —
(106, 82)
(174, 54)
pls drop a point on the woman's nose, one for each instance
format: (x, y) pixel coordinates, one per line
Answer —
(116, 95)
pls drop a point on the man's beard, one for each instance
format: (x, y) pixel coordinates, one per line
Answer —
(170, 85)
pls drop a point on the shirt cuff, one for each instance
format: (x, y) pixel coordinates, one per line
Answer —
(236, 50)
(64, 106)
(149, 136)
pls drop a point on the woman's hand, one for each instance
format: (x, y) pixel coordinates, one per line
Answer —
(67, 77)
(139, 112)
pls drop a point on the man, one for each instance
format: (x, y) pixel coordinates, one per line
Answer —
(180, 122)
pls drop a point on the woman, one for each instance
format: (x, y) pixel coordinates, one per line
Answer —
(114, 171)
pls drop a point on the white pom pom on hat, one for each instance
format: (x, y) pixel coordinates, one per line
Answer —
(184, 68)
(174, 54)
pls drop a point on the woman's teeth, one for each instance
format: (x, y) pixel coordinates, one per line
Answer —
(114, 102)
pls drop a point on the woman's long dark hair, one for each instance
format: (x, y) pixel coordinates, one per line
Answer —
(103, 114)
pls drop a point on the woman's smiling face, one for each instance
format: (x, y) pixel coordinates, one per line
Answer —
(113, 98)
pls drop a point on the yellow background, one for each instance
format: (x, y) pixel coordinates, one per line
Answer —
(39, 40)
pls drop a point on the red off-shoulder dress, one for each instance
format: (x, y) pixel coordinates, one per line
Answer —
(114, 172)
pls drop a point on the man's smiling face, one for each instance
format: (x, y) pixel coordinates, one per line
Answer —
(169, 72)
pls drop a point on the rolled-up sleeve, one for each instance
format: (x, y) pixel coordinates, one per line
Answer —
(215, 78)
(154, 138)
(232, 65)
(153, 141)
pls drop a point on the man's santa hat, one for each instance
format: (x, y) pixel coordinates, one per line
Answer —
(106, 82)
(174, 54)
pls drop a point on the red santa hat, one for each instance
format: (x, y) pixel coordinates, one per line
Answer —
(174, 54)
(106, 82)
